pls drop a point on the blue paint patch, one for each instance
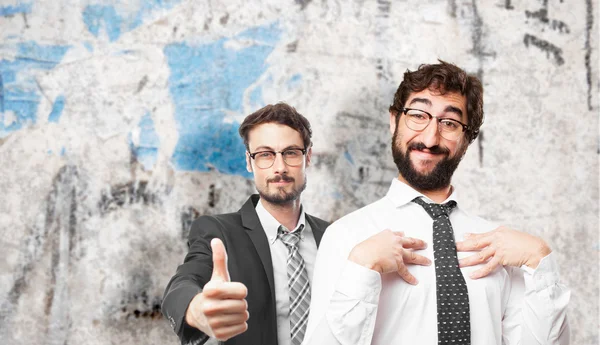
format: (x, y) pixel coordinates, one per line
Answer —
(6, 11)
(88, 46)
(43, 57)
(21, 95)
(8, 76)
(262, 35)
(294, 81)
(1, 93)
(62, 151)
(147, 149)
(57, 109)
(97, 16)
(115, 23)
(207, 82)
(348, 157)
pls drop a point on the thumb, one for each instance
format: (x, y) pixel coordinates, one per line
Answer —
(219, 255)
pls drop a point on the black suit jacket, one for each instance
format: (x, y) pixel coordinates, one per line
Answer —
(249, 262)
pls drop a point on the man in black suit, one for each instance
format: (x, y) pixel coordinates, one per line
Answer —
(243, 281)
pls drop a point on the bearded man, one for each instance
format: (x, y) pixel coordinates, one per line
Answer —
(399, 271)
(260, 293)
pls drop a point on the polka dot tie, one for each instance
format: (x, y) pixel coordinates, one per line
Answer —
(298, 284)
(454, 326)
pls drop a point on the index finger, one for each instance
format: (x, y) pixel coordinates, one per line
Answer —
(226, 290)
(487, 269)
(413, 243)
(474, 242)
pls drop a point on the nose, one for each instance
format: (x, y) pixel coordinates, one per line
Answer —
(279, 166)
(430, 136)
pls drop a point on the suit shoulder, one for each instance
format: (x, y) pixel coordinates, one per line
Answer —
(217, 220)
(218, 225)
(322, 224)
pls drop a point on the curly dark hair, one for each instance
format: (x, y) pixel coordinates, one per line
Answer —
(444, 77)
(280, 113)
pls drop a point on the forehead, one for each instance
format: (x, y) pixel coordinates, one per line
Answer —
(273, 135)
(438, 102)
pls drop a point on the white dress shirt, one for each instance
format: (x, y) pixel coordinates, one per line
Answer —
(353, 305)
(279, 252)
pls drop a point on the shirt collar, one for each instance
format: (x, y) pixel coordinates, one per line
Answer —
(401, 194)
(270, 224)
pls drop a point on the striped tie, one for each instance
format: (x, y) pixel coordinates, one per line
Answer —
(299, 287)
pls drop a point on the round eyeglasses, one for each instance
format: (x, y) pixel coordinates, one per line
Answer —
(265, 159)
(449, 129)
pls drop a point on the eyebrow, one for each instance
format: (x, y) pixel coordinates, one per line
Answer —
(453, 109)
(420, 100)
(449, 109)
(268, 148)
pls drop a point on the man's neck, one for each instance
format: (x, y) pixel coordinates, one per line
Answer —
(437, 196)
(287, 214)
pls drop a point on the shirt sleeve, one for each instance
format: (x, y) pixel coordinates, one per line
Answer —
(536, 310)
(344, 296)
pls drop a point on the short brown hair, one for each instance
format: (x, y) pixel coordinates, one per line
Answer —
(280, 113)
(444, 77)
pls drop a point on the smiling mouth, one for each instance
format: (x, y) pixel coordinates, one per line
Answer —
(427, 153)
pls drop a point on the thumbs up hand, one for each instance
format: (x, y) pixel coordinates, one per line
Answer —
(220, 271)
(220, 310)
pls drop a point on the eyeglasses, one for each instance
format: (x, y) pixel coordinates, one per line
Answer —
(291, 157)
(449, 129)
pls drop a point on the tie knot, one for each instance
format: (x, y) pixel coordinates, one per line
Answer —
(289, 238)
(436, 210)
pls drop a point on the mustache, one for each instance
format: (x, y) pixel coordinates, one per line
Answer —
(279, 178)
(434, 149)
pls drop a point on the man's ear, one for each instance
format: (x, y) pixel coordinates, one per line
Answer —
(393, 122)
(308, 156)
(248, 162)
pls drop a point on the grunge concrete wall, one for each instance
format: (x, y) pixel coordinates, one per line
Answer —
(118, 125)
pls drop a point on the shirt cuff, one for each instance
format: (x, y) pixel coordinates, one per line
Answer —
(544, 275)
(359, 282)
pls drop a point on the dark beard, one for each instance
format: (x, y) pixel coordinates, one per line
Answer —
(439, 178)
(282, 197)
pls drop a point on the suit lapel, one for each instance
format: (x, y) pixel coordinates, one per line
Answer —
(317, 231)
(257, 234)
